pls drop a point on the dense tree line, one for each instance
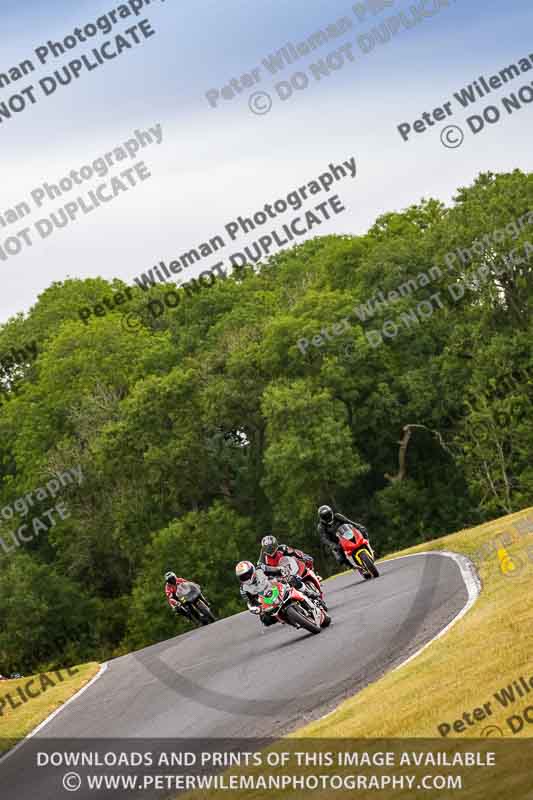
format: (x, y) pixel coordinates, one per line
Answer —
(209, 426)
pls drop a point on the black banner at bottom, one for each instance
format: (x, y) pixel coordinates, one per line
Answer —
(252, 769)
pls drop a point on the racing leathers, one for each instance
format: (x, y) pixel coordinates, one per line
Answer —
(250, 591)
(270, 564)
(327, 532)
(170, 591)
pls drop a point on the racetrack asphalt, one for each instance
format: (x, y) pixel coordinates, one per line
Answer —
(233, 679)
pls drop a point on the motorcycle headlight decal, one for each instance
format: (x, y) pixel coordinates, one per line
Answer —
(272, 596)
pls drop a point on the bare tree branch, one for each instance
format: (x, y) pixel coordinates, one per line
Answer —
(407, 431)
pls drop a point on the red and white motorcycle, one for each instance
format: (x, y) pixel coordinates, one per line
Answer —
(357, 551)
(291, 607)
(294, 567)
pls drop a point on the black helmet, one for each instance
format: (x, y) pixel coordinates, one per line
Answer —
(170, 577)
(325, 513)
(269, 544)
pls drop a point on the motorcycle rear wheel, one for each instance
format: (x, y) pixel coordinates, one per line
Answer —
(296, 617)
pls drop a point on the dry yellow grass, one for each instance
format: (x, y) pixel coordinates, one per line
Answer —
(484, 651)
(19, 717)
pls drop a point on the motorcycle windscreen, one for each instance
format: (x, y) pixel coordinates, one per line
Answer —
(189, 591)
(291, 563)
(346, 532)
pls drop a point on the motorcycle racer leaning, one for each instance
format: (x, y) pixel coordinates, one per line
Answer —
(328, 524)
(171, 583)
(253, 582)
(271, 554)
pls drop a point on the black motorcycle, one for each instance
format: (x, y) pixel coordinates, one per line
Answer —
(192, 603)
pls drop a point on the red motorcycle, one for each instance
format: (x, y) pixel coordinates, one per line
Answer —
(294, 566)
(357, 551)
(290, 607)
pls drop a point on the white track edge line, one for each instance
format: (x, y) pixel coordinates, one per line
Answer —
(471, 581)
(58, 710)
(473, 587)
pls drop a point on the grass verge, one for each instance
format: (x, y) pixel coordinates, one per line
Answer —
(26, 702)
(485, 651)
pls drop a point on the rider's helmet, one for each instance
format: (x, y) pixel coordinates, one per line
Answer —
(325, 514)
(170, 577)
(269, 545)
(245, 571)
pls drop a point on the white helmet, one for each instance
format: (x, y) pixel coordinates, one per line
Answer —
(245, 571)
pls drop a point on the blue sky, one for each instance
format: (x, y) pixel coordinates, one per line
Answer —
(214, 164)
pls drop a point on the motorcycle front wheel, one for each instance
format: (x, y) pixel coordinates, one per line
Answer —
(369, 564)
(207, 615)
(326, 622)
(296, 617)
